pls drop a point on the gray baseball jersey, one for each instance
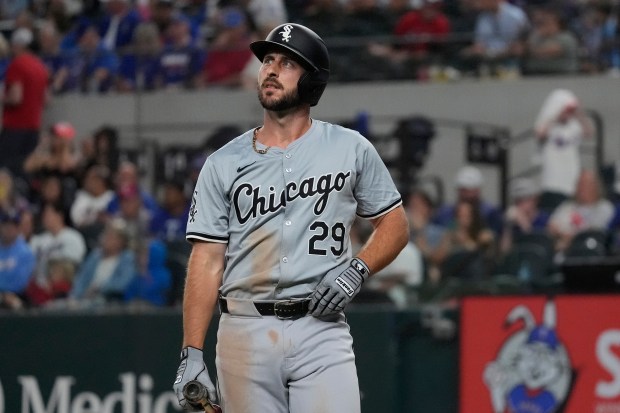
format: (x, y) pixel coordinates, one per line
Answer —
(286, 214)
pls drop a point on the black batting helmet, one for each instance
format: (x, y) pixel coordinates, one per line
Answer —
(311, 51)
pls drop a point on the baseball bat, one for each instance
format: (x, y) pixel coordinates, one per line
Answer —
(196, 394)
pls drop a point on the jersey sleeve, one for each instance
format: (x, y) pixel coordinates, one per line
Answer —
(375, 190)
(209, 212)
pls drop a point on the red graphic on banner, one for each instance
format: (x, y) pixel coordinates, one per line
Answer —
(537, 355)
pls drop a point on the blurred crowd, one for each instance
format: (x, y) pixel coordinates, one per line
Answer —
(102, 46)
(80, 229)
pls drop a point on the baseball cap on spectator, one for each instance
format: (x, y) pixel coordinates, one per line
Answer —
(523, 188)
(469, 177)
(21, 37)
(64, 130)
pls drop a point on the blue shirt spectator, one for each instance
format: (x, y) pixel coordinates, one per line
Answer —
(139, 69)
(170, 221)
(93, 67)
(153, 279)
(499, 27)
(108, 270)
(181, 61)
(139, 72)
(117, 25)
(17, 261)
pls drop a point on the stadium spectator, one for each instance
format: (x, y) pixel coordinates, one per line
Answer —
(426, 235)
(136, 216)
(163, 14)
(498, 36)
(181, 61)
(127, 181)
(117, 25)
(17, 260)
(61, 13)
(429, 21)
(588, 209)
(102, 148)
(92, 198)
(55, 152)
(170, 221)
(10, 197)
(94, 69)
(392, 283)
(229, 51)
(523, 216)
(56, 60)
(153, 279)
(560, 126)
(139, 68)
(470, 244)
(468, 185)
(418, 34)
(550, 48)
(25, 96)
(54, 156)
(108, 270)
(57, 241)
(198, 13)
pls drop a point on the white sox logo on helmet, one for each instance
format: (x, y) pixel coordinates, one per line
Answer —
(286, 33)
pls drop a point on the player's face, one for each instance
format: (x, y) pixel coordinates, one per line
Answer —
(277, 82)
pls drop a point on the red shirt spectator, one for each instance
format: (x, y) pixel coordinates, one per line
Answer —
(229, 52)
(25, 93)
(28, 71)
(427, 20)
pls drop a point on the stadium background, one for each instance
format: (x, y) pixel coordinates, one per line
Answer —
(123, 361)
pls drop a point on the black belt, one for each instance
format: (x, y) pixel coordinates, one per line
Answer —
(281, 309)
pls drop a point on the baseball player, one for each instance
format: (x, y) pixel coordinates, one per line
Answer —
(269, 227)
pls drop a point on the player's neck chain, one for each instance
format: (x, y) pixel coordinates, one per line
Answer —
(261, 151)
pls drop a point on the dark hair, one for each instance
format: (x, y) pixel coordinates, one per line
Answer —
(58, 207)
(477, 219)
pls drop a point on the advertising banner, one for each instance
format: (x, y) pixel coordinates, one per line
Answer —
(540, 354)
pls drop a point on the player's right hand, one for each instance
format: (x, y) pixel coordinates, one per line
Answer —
(192, 367)
(338, 288)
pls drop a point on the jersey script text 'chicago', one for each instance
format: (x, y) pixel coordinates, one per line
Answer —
(263, 205)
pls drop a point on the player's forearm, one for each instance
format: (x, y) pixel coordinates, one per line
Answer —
(390, 235)
(204, 277)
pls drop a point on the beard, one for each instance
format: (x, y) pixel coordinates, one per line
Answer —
(290, 100)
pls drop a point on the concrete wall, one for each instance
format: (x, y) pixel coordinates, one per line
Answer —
(187, 117)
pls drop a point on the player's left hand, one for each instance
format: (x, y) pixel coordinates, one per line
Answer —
(338, 288)
(192, 367)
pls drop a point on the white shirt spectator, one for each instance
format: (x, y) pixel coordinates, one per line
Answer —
(87, 207)
(67, 244)
(405, 271)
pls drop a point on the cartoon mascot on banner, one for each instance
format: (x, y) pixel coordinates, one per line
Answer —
(532, 372)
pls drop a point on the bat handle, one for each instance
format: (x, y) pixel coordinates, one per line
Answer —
(196, 394)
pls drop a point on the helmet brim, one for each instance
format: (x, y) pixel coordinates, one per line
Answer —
(261, 48)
